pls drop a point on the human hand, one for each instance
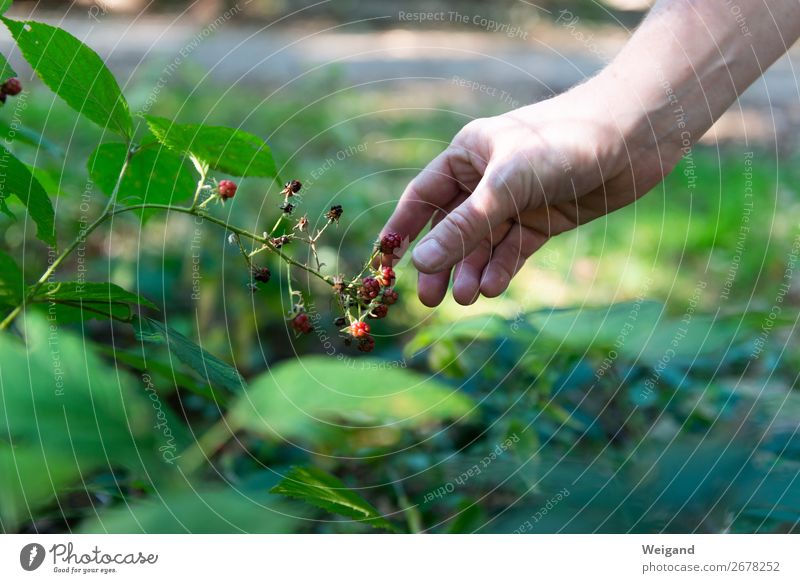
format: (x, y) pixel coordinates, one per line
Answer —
(507, 184)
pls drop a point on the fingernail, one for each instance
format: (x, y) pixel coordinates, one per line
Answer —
(429, 254)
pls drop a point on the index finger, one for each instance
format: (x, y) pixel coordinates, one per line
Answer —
(432, 189)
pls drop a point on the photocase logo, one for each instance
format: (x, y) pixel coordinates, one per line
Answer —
(31, 556)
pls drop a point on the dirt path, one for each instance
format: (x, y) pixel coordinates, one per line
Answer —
(527, 66)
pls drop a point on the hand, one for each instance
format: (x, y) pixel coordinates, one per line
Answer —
(507, 184)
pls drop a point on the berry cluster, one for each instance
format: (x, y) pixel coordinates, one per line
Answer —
(366, 296)
(369, 297)
(11, 88)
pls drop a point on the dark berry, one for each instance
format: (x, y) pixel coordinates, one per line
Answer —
(389, 296)
(370, 288)
(366, 344)
(287, 208)
(262, 274)
(379, 311)
(3, 97)
(334, 214)
(292, 187)
(387, 276)
(390, 242)
(340, 322)
(302, 324)
(359, 329)
(227, 189)
(279, 242)
(12, 87)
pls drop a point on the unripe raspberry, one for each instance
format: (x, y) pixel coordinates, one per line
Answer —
(390, 242)
(387, 276)
(302, 324)
(389, 296)
(370, 288)
(227, 189)
(359, 329)
(366, 344)
(12, 87)
(262, 274)
(379, 311)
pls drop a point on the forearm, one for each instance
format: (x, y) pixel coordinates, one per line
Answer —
(688, 62)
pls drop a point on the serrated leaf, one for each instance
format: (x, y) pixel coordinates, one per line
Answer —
(224, 149)
(12, 282)
(305, 399)
(25, 135)
(325, 491)
(154, 174)
(19, 181)
(74, 72)
(208, 366)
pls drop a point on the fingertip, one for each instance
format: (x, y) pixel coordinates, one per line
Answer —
(495, 281)
(432, 288)
(466, 286)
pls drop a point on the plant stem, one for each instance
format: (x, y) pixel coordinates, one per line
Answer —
(107, 212)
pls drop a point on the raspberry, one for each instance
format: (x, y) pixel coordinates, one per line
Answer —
(387, 276)
(359, 329)
(302, 324)
(389, 296)
(227, 189)
(390, 242)
(379, 311)
(291, 188)
(262, 274)
(12, 87)
(335, 213)
(366, 344)
(370, 288)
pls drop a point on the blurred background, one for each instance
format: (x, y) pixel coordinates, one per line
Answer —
(641, 371)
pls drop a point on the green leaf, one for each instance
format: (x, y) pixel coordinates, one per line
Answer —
(5, 5)
(19, 181)
(208, 366)
(6, 70)
(198, 511)
(224, 149)
(327, 492)
(12, 282)
(72, 301)
(75, 73)
(65, 414)
(154, 174)
(305, 399)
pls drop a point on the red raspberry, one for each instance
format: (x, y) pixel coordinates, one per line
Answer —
(370, 288)
(227, 189)
(12, 87)
(359, 329)
(366, 344)
(387, 276)
(302, 324)
(390, 242)
(262, 274)
(379, 311)
(389, 296)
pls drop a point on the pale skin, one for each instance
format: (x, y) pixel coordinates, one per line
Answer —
(507, 184)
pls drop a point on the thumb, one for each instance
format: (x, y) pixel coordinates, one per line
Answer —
(461, 231)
